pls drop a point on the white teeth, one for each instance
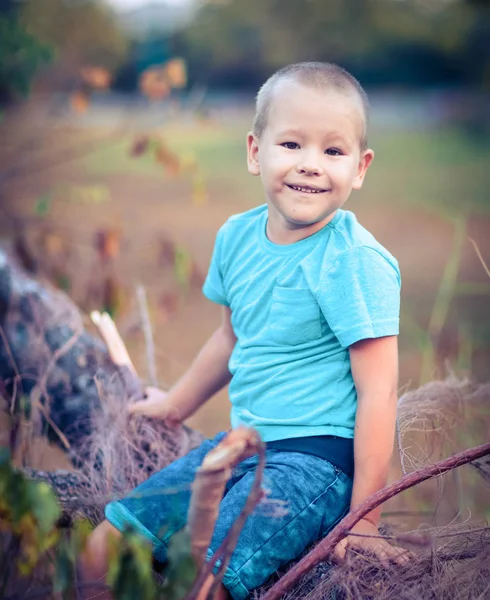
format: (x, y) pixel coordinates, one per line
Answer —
(307, 190)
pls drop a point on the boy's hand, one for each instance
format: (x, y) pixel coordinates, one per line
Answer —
(156, 405)
(373, 545)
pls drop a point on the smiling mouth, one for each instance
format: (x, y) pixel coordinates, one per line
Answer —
(306, 189)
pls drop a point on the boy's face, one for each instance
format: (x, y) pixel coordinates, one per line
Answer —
(309, 157)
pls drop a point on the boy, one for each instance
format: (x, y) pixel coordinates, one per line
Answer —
(308, 342)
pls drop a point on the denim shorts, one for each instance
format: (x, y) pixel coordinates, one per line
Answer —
(305, 497)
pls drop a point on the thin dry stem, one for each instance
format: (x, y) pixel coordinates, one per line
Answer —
(148, 333)
(479, 254)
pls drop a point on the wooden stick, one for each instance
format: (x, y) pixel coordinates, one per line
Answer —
(111, 337)
(238, 445)
(209, 485)
(324, 548)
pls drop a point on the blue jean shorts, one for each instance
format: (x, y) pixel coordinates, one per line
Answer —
(305, 497)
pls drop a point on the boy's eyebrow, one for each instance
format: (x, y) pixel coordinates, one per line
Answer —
(337, 135)
(290, 132)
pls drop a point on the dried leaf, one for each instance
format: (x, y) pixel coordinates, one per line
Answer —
(79, 101)
(108, 244)
(176, 72)
(97, 78)
(52, 244)
(167, 158)
(113, 296)
(139, 146)
(199, 191)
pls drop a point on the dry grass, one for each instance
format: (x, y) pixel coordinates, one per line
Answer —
(450, 562)
(432, 418)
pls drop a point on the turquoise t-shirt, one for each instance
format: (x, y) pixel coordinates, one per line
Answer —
(296, 309)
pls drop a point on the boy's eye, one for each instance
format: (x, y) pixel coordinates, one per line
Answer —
(333, 152)
(290, 145)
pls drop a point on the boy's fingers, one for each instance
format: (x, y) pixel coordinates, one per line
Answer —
(137, 407)
(402, 556)
(154, 392)
(385, 552)
(394, 554)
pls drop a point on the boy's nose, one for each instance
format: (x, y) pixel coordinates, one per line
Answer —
(309, 165)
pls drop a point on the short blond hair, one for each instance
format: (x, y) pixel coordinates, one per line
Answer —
(319, 75)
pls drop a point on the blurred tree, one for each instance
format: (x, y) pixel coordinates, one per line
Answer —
(21, 57)
(82, 33)
(383, 41)
(21, 54)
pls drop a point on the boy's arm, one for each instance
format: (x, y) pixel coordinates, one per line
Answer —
(205, 377)
(374, 364)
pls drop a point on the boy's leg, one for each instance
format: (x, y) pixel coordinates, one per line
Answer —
(93, 564)
(156, 509)
(307, 497)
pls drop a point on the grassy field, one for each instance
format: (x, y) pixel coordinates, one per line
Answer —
(442, 171)
(424, 189)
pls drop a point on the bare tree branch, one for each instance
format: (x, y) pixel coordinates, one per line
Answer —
(207, 493)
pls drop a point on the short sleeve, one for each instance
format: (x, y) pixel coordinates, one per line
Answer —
(360, 296)
(213, 287)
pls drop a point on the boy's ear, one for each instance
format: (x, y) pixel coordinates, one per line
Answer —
(364, 162)
(252, 154)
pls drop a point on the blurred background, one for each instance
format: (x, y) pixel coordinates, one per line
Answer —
(122, 151)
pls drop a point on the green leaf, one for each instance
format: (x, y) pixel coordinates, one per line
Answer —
(130, 571)
(43, 205)
(80, 532)
(5, 455)
(63, 282)
(182, 266)
(182, 570)
(25, 407)
(64, 566)
(45, 506)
